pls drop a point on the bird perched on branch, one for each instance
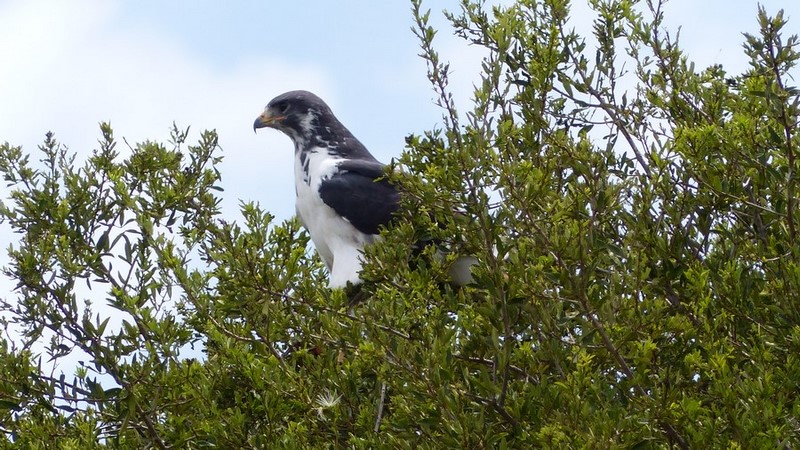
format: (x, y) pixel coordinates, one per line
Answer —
(342, 195)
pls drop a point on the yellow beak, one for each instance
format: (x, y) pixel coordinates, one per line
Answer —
(266, 120)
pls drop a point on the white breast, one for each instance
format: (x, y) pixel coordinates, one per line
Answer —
(338, 243)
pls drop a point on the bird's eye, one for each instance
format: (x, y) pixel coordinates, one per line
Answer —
(281, 107)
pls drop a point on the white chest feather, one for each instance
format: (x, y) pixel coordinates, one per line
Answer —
(338, 243)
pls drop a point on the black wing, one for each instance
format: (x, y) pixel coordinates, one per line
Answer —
(359, 193)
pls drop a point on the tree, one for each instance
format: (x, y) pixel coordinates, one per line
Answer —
(634, 218)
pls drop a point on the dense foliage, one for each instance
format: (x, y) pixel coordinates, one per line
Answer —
(634, 216)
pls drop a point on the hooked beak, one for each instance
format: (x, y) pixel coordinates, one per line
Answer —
(266, 119)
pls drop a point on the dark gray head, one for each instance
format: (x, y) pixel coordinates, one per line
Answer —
(310, 123)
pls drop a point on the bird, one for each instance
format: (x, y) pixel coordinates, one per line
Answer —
(343, 198)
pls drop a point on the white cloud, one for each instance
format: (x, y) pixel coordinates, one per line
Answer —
(67, 67)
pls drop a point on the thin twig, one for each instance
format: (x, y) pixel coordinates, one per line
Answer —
(380, 407)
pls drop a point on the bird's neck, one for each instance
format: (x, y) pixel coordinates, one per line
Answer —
(308, 162)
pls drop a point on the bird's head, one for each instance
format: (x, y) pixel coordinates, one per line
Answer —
(296, 113)
(310, 123)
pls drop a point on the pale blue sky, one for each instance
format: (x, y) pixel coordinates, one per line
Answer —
(67, 65)
(142, 65)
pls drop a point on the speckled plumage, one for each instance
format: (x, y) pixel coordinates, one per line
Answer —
(342, 199)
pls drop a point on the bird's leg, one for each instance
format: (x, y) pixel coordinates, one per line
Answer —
(355, 294)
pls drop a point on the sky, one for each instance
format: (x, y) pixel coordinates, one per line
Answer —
(65, 66)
